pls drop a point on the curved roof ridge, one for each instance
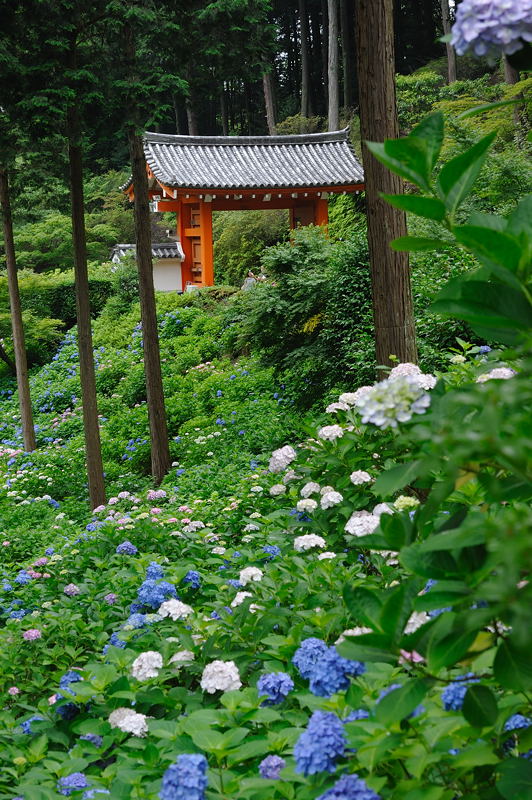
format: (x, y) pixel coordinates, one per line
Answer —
(232, 141)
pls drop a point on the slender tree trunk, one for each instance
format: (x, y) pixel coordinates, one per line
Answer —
(269, 103)
(192, 118)
(390, 274)
(332, 70)
(21, 364)
(511, 75)
(325, 51)
(306, 104)
(86, 356)
(451, 55)
(223, 111)
(160, 453)
(348, 54)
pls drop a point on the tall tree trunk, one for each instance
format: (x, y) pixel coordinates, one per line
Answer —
(86, 356)
(21, 364)
(325, 50)
(451, 55)
(306, 104)
(192, 119)
(348, 53)
(390, 274)
(160, 453)
(223, 111)
(269, 102)
(332, 70)
(511, 75)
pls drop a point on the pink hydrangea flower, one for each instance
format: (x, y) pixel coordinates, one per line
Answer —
(155, 510)
(13, 691)
(6, 543)
(412, 656)
(40, 562)
(31, 634)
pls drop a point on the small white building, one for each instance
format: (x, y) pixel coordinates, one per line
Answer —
(167, 259)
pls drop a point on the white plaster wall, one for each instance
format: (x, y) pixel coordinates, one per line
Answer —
(167, 275)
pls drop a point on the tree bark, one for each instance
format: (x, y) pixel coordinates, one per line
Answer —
(86, 357)
(192, 119)
(451, 55)
(160, 453)
(224, 111)
(306, 104)
(390, 274)
(325, 49)
(21, 364)
(348, 55)
(511, 75)
(269, 103)
(332, 67)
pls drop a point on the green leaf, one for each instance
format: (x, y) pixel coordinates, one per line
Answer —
(356, 649)
(475, 756)
(249, 749)
(515, 782)
(395, 478)
(399, 703)
(473, 112)
(405, 157)
(459, 174)
(449, 649)
(452, 540)
(427, 207)
(480, 706)
(363, 604)
(430, 130)
(489, 245)
(418, 244)
(208, 739)
(512, 666)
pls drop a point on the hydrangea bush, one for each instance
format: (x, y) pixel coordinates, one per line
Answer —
(362, 633)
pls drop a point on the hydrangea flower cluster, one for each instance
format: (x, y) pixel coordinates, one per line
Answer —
(271, 766)
(349, 787)
(360, 523)
(186, 779)
(492, 27)
(220, 676)
(72, 783)
(281, 458)
(276, 686)
(250, 575)
(152, 594)
(127, 548)
(175, 609)
(308, 541)
(454, 694)
(128, 721)
(330, 499)
(326, 670)
(516, 722)
(331, 432)
(321, 744)
(147, 665)
(392, 401)
(154, 571)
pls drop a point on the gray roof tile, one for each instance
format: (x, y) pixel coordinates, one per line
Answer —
(162, 250)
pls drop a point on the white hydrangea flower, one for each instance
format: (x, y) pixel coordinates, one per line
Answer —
(175, 609)
(128, 721)
(351, 398)
(309, 488)
(251, 527)
(359, 630)
(193, 526)
(281, 458)
(499, 373)
(332, 408)
(182, 656)
(256, 514)
(277, 489)
(307, 542)
(458, 359)
(326, 556)
(326, 489)
(256, 489)
(239, 598)
(220, 676)
(307, 505)
(147, 665)
(218, 551)
(358, 477)
(415, 621)
(382, 508)
(406, 503)
(331, 432)
(290, 475)
(392, 401)
(330, 499)
(424, 380)
(249, 574)
(361, 525)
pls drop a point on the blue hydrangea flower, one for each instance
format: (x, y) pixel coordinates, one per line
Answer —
(19, 614)
(349, 787)
(330, 673)
(491, 27)
(271, 766)
(136, 620)
(90, 793)
(453, 695)
(234, 583)
(517, 721)
(127, 548)
(275, 686)
(115, 641)
(49, 551)
(321, 744)
(154, 571)
(193, 578)
(307, 655)
(68, 711)
(72, 783)
(153, 594)
(358, 713)
(22, 578)
(272, 550)
(26, 725)
(186, 779)
(483, 349)
(69, 677)
(93, 738)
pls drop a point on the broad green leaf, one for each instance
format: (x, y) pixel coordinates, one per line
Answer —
(430, 130)
(475, 756)
(406, 160)
(248, 749)
(480, 706)
(520, 220)
(428, 207)
(473, 112)
(395, 478)
(448, 650)
(513, 666)
(451, 540)
(490, 246)
(356, 649)
(459, 174)
(399, 703)
(208, 739)
(418, 244)
(515, 781)
(428, 565)
(363, 604)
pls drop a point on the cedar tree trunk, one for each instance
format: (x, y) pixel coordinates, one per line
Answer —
(21, 364)
(269, 103)
(451, 55)
(306, 105)
(86, 357)
(332, 67)
(160, 454)
(390, 274)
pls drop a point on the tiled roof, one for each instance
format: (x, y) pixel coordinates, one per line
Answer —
(162, 250)
(253, 162)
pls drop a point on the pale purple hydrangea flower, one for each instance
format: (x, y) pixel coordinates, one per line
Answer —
(492, 27)
(71, 590)
(392, 401)
(271, 766)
